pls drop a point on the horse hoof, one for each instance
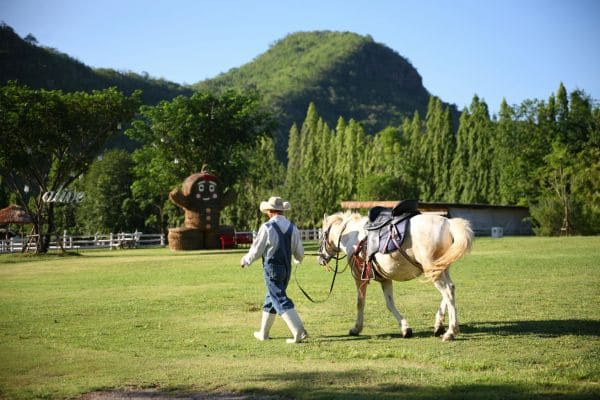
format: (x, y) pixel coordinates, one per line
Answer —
(407, 333)
(448, 337)
(353, 332)
(439, 331)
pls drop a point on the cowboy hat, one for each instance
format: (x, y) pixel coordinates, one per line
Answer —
(274, 203)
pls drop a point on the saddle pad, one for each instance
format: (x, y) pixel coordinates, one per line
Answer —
(389, 237)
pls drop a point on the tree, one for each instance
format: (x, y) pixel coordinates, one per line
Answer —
(438, 151)
(510, 161)
(180, 136)
(265, 178)
(352, 157)
(49, 138)
(311, 177)
(472, 175)
(382, 187)
(585, 188)
(413, 131)
(386, 173)
(307, 170)
(31, 39)
(108, 205)
(460, 161)
(568, 200)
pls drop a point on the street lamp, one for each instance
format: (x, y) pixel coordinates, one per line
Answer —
(26, 195)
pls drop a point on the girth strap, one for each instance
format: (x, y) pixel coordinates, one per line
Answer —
(368, 268)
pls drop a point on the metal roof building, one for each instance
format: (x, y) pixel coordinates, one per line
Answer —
(486, 220)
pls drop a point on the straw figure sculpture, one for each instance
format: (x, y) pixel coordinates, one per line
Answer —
(202, 198)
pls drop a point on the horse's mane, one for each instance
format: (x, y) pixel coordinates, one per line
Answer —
(342, 216)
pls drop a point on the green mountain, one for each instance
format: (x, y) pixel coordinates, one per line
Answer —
(45, 68)
(343, 73)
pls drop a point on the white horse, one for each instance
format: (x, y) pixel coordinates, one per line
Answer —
(431, 244)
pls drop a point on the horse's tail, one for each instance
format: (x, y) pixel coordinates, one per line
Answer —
(462, 240)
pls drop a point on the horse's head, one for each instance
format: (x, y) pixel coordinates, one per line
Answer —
(328, 249)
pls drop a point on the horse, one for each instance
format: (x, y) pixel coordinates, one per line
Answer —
(431, 244)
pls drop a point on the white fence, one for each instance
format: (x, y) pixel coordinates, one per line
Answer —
(305, 234)
(67, 242)
(111, 241)
(310, 234)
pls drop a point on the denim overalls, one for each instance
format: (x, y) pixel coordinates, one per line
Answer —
(277, 270)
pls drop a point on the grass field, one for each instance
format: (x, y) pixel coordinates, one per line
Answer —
(183, 322)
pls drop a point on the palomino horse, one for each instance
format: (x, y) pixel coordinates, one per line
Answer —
(431, 244)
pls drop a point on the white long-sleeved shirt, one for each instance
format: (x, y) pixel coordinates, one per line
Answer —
(267, 240)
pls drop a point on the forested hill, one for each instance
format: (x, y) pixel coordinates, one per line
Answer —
(343, 73)
(45, 68)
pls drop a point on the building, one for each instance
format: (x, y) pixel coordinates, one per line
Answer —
(486, 220)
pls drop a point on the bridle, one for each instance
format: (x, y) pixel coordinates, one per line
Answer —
(326, 251)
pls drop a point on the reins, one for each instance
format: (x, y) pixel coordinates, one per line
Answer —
(335, 272)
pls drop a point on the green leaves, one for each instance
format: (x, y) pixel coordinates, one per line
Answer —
(51, 137)
(538, 154)
(180, 136)
(108, 205)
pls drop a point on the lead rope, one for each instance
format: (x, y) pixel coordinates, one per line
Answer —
(335, 273)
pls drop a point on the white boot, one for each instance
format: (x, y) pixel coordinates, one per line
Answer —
(292, 319)
(265, 326)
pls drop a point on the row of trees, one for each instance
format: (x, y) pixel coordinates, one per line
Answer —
(52, 141)
(543, 154)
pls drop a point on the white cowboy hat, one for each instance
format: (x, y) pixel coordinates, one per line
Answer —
(274, 203)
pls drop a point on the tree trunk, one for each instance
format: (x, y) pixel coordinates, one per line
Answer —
(37, 225)
(45, 239)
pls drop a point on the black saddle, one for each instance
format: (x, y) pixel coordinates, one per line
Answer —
(386, 227)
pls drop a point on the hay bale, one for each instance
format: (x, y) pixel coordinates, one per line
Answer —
(186, 239)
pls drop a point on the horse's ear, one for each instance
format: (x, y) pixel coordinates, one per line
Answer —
(325, 216)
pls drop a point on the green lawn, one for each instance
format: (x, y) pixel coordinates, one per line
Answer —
(183, 322)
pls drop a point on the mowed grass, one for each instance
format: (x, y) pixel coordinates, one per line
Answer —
(182, 323)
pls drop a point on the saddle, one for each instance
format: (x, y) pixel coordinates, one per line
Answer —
(386, 227)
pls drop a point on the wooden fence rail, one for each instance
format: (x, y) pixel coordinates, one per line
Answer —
(67, 242)
(114, 241)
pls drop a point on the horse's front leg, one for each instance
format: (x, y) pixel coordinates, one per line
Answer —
(388, 292)
(446, 287)
(361, 292)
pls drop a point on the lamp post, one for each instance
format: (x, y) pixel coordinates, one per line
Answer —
(26, 201)
(26, 191)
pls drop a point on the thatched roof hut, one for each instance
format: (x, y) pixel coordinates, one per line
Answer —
(14, 214)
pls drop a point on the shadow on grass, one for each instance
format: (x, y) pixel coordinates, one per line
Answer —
(546, 328)
(381, 336)
(338, 338)
(348, 385)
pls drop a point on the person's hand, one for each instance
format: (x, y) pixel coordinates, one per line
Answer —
(242, 263)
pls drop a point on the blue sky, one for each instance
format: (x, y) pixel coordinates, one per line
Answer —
(513, 49)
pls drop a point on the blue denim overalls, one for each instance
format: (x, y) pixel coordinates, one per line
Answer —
(277, 270)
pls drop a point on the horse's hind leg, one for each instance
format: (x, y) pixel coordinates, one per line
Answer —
(446, 287)
(438, 327)
(361, 292)
(388, 292)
